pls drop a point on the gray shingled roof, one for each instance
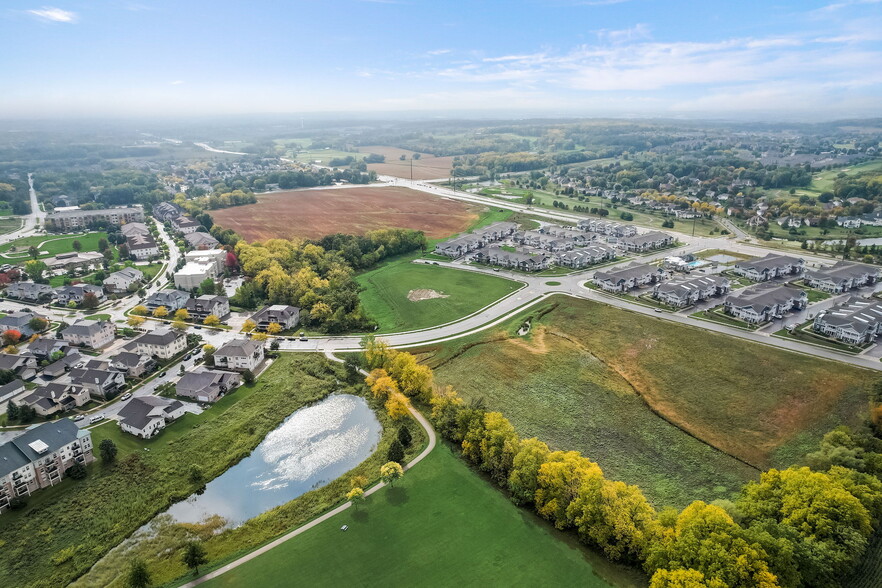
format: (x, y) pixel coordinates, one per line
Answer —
(17, 453)
(137, 412)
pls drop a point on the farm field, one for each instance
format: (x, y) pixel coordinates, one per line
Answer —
(441, 525)
(404, 296)
(427, 167)
(679, 411)
(312, 214)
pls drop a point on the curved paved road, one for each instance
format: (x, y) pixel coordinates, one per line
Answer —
(430, 432)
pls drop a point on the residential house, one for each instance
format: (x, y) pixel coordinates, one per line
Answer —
(857, 321)
(760, 304)
(67, 294)
(45, 347)
(520, 260)
(134, 365)
(849, 222)
(239, 354)
(163, 343)
(55, 398)
(585, 256)
(9, 391)
(166, 211)
(185, 224)
(76, 219)
(202, 306)
(142, 247)
(459, 246)
(101, 383)
(90, 333)
(134, 229)
(544, 241)
(682, 292)
(62, 366)
(123, 280)
(608, 228)
(20, 321)
(200, 266)
(172, 300)
(205, 385)
(580, 238)
(30, 291)
(285, 316)
(24, 365)
(40, 457)
(200, 240)
(145, 416)
(842, 276)
(633, 275)
(646, 241)
(773, 265)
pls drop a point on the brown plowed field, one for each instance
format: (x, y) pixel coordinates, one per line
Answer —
(427, 167)
(311, 214)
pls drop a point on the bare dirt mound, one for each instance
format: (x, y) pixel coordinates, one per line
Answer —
(424, 294)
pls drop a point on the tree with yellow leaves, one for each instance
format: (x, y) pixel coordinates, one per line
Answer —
(260, 336)
(179, 325)
(683, 579)
(561, 479)
(396, 405)
(160, 312)
(248, 326)
(523, 479)
(211, 320)
(390, 472)
(377, 353)
(140, 310)
(135, 321)
(384, 387)
(181, 314)
(355, 496)
(274, 328)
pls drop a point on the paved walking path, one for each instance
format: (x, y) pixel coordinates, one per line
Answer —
(430, 432)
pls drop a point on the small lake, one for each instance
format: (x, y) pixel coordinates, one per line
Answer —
(311, 448)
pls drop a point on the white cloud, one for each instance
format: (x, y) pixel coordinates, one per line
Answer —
(51, 14)
(637, 32)
(176, 83)
(438, 52)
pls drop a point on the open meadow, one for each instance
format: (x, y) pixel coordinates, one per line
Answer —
(427, 167)
(403, 296)
(441, 525)
(681, 412)
(356, 210)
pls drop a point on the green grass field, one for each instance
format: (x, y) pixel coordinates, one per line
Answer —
(385, 297)
(54, 244)
(660, 405)
(441, 525)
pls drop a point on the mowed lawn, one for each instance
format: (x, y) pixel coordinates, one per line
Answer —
(441, 525)
(385, 297)
(679, 411)
(54, 244)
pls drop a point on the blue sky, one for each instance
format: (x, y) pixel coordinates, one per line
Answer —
(755, 59)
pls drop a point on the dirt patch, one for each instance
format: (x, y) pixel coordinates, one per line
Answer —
(424, 294)
(311, 214)
(427, 167)
(536, 344)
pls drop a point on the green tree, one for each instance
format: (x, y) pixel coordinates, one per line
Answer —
(77, 471)
(560, 482)
(38, 324)
(404, 436)
(108, 451)
(138, 576)
(208, 287)
(12, 411)
(197, 476)
(396, 452)
(248, 377)
(77, 246)
(33, 252)
(194, 556)
(35, 269)
(90, 301)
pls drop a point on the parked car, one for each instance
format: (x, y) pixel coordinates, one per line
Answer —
(303, 336)
(126, 396)
(162, 374)
(79, 417)
(96, 418)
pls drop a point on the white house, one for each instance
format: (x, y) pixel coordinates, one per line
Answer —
(163, 343)
(239, 354)
(121, 280)
(145, 416)
(91, 333)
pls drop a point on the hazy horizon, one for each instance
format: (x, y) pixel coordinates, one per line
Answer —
(791, 60)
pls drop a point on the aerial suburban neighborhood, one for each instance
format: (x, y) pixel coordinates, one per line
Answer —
(390, 293)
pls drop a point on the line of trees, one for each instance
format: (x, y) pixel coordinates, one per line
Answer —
(801, 526)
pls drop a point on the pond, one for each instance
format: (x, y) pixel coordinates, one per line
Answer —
(309, 449)
(312, 447)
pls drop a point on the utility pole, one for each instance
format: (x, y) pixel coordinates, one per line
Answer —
(694, 219)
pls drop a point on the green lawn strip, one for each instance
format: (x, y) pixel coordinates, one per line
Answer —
(55, 244)
(441, 525)
(718, 316)
(115, 500)
(813, 294)
(98, 317)
(385, 297)
(650, 400)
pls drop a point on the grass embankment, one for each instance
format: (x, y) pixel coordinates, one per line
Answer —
(66, 529)
(664, 406)
(162, 552)
(441, 525)
(385, 297)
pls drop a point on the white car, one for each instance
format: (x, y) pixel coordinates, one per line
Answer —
(126, 396)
